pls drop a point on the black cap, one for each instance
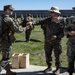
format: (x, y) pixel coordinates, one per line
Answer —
(8, 7)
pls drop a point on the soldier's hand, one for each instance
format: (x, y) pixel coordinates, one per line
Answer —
(72, 33)
(53, 37)
(29, 23)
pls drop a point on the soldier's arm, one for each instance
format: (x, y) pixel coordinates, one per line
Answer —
(13, 25)
(40, 22)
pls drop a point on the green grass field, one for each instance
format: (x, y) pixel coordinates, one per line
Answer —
(36, 47)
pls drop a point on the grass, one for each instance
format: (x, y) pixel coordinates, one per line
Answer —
(36, 47)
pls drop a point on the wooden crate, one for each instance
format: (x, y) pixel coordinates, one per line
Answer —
(24, 60)
(15, 60)
(20, 60)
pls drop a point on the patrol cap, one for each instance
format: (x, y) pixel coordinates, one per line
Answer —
(8, 7)
(55, 9)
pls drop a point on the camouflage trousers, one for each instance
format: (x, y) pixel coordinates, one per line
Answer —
(27, 34)
(6, 54)
(71, 56)
(49, 47)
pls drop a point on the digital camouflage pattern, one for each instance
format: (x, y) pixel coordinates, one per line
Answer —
(51, 28)
(28, 24)
(9, 27)
(70, 44)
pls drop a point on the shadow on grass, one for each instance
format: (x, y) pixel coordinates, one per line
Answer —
(19, 41)
(35, 40)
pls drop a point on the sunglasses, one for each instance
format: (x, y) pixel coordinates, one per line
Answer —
(52, 12)
(10, 9)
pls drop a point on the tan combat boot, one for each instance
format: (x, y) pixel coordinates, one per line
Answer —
(8, 72)
(48, 69)
(57, 72)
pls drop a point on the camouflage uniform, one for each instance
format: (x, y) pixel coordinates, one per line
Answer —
(51, 28)
(27, 22)
(8, 29)
(70, 45)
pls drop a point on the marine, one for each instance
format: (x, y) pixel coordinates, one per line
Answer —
(70, 34)
(9, 27)
(28, 24)
(53, 28)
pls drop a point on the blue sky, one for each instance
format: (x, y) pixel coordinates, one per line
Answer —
(38, 4)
